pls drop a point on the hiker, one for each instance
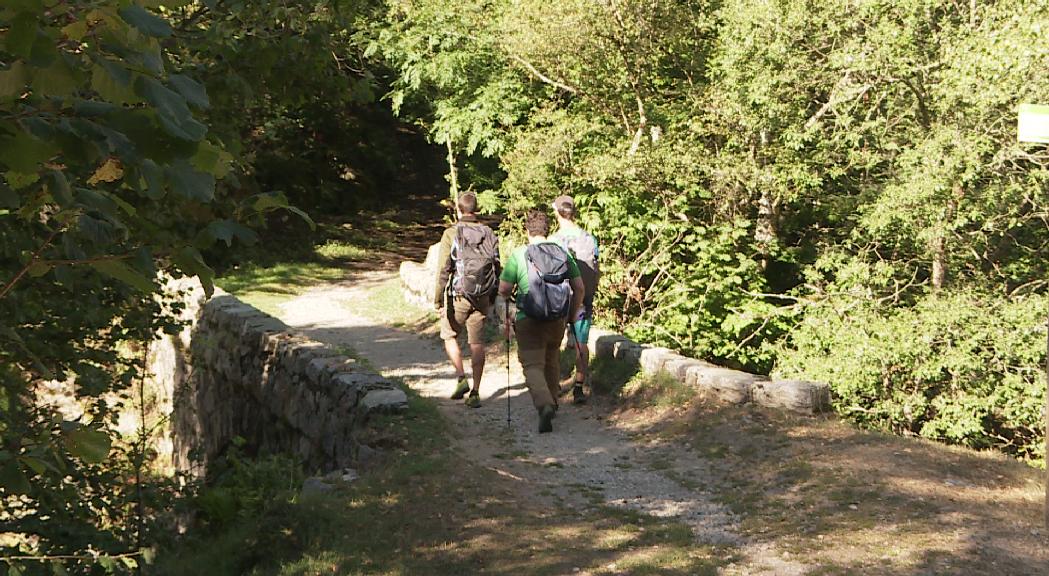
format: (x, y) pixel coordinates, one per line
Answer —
(549, 291)
(468, 269)
(583, 247)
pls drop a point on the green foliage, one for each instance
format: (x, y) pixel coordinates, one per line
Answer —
(736, 157)
(964, 368)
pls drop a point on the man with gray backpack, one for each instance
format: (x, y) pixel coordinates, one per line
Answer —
(468, 270)
(549, 292)
(583, 247)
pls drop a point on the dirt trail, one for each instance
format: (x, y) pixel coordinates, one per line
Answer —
(583, 463)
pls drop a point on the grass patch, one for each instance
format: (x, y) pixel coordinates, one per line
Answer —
(277, 272)
(660, 390)
(426, 510)
(384, 303)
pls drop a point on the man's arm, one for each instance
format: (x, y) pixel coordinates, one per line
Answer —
(444, 267)
(505, 289)
(577, 297)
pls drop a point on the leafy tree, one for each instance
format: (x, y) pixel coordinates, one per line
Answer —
(107, 179)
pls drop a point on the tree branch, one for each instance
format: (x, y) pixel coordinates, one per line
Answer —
(535, 72)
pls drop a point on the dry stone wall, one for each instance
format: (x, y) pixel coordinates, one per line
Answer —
(726, 385)
(236, 372)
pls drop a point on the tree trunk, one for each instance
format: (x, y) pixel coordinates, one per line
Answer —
(938, 245)
(453, 177)
(765, 232)
(765, 229)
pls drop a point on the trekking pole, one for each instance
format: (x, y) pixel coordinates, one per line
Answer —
(507, 320)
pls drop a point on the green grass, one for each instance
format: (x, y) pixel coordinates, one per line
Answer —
(659, 390)
(385, 304)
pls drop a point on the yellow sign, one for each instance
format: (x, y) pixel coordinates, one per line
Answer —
(1033, 123)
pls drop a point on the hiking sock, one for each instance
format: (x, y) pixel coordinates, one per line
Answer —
(461, 388)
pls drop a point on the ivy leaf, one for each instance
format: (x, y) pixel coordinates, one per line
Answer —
(24, 153)
(13, 80)
(90, 445)
(58, 79)
(212, 159)
(38, 269)
(12, 479)
(191, 90)
(113, 82)
(21, 35)
(59, 187)
(225, 230)
(191, 263)
(269, 201)
(8, 197)
(302, 214)
(145, 21)
(190, 183)
(172, 110)
(124, 273)
(154, 178)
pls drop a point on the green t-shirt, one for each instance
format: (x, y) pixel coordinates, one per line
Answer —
(516, 271)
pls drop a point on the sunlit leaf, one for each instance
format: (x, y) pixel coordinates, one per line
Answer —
(110, 171)
(38, 269)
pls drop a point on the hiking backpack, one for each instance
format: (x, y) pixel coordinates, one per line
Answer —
(549, 294)
(475, 253)
(583, 247)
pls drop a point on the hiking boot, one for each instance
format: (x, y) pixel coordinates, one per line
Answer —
(473, 401)
(578, 397)
(461, 388)
(566, 384)
(546, 419)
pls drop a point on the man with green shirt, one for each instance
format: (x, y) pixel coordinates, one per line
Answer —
(549, 292)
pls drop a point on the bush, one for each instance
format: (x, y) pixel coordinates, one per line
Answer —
(964, 367)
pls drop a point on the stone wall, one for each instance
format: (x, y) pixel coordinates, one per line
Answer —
(726, 385)
(237, 372)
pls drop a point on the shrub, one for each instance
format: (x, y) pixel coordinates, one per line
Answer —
(963, 367)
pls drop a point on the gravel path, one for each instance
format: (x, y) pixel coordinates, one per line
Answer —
(585, 462)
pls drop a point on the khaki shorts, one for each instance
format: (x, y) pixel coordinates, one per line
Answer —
(463, 313)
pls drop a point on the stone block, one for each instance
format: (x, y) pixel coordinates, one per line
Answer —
(731, 386)
(627, 351)
(678, 367)
(653, 358)
(603, 345)
(384, 400)
(794, 395)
